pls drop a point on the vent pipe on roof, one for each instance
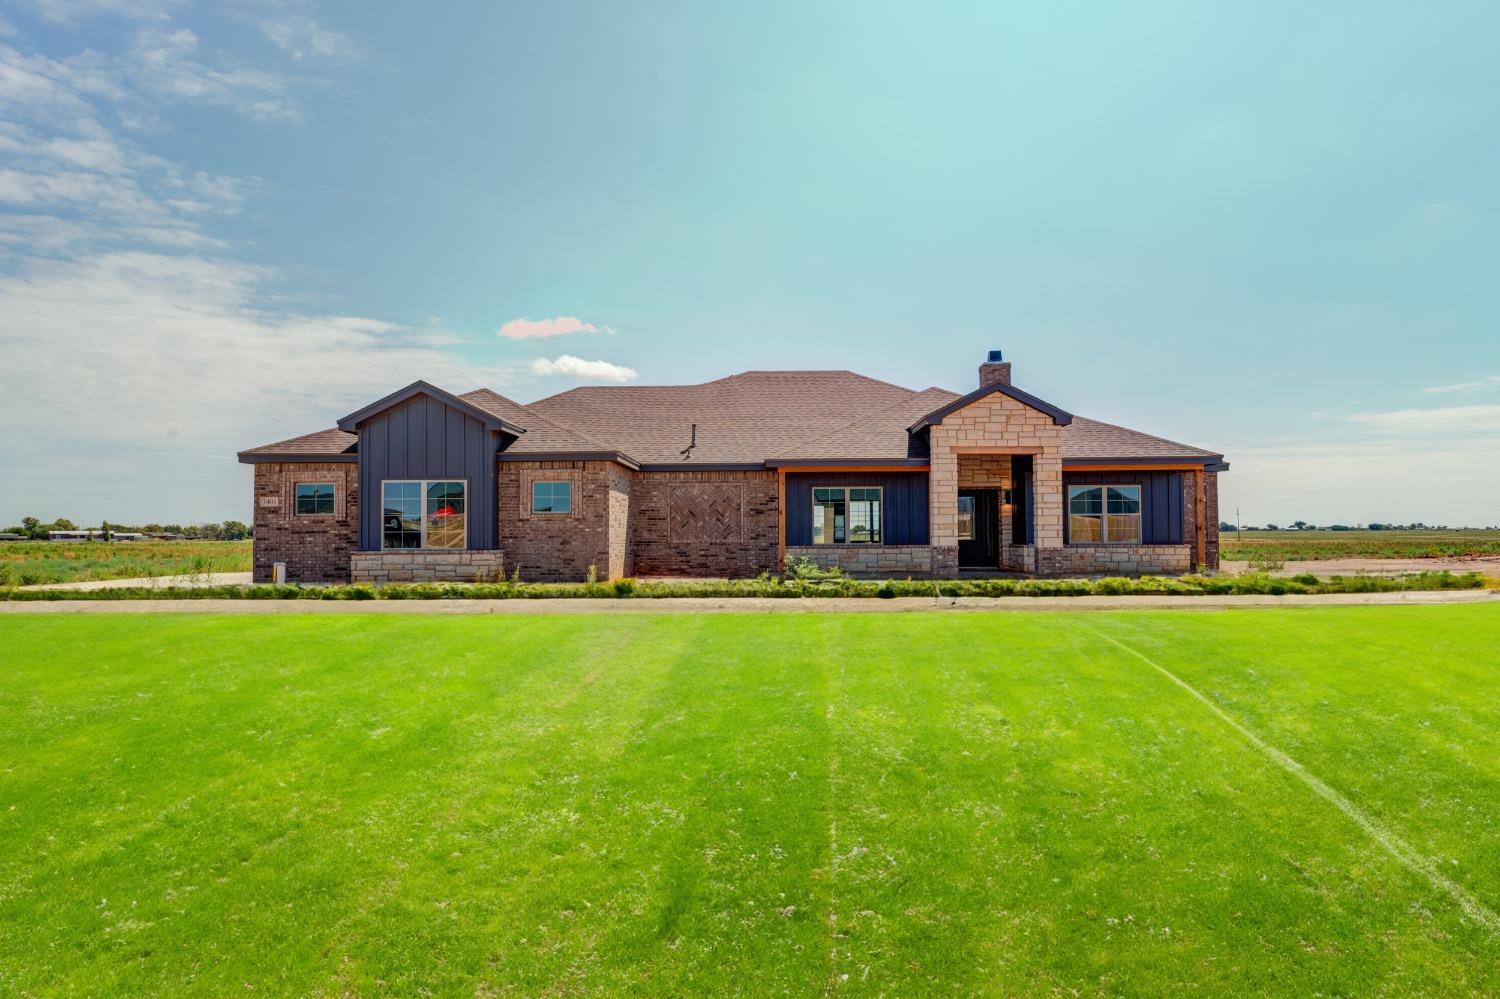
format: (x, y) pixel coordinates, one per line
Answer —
(687, 452)
(993, 370)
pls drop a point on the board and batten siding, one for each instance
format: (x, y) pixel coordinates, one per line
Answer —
(1161, 502)
(903, 506)
(423, 438)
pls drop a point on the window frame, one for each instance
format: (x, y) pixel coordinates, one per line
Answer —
(422, 485)
(1104, 487)
(973, 516)
(552, 513)
(333, 499)
(879, 538)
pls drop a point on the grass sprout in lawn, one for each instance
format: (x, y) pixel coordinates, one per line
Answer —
(1277, 802)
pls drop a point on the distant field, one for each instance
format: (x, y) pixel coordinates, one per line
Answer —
(1289, 545)
(24, 563)
(738, 804)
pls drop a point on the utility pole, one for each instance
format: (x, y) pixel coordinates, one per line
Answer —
(1239, 528)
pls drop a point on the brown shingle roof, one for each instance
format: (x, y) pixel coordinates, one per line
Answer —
(742, 419)
(325, 443)
(880, 434)
(1085, 438)
(776, 417)
(542, 435)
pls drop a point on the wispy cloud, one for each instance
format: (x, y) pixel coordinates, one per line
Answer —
(1445, 419)
(71, 11)
(124, 302)
(1492, 381)
(301, 36)
(577, 367)
(539, 329)
(167, 346)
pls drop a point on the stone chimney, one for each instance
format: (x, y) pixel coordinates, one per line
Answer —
(994, 370)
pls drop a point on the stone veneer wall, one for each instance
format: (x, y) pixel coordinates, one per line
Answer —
(315, 548)
(560, 547)
(704, 523)
(1126, 560)
(869, 561)
(1005, 426)
(426, 566)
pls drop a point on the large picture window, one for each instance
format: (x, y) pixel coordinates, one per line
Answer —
(314, 498)
(419, 513)
(846, 516)
(1104, 514)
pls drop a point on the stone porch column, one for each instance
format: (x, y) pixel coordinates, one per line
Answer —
(1047, 511)
(942, 508)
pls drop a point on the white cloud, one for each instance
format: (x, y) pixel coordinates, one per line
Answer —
(536, 329)
(1443, 420)
(300, 36)
(577, 367)
(1491, 381)
(69, 11)
(139, 347)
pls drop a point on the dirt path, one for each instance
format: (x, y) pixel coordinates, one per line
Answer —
(740, 605)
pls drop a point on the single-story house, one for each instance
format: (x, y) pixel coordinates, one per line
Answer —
(729, 478)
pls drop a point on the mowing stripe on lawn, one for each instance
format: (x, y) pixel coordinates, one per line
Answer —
(1394, 845)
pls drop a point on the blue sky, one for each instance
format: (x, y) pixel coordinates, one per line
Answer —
(1270, 230)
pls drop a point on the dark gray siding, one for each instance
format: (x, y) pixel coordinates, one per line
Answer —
(1161, 501)
(903, 507)
(423, 438)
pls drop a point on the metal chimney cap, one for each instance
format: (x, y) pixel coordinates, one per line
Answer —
(995, 355)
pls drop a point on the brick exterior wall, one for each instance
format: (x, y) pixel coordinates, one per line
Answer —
(427, 566)
(560, 547)
(1211, 498)
(315, 548)
(996, 426)
(870, 561)
(1125, 560)
(703, 523)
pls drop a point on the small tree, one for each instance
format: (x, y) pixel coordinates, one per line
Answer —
(104, 532)
(234, 530)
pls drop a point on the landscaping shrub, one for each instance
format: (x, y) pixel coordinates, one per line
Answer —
(1185, 586)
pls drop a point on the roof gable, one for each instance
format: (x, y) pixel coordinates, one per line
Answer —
(351, 422)
(1059, 416)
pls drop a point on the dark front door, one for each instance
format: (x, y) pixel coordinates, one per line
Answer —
(979, 528)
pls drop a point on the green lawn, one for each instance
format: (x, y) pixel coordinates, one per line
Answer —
(898, 805)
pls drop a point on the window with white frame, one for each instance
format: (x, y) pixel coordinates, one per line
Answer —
(423, 513)
(846, 515)
(1104, 514)
(314, 498)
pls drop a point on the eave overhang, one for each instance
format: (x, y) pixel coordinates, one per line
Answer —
(264, 457)
(616, 456)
